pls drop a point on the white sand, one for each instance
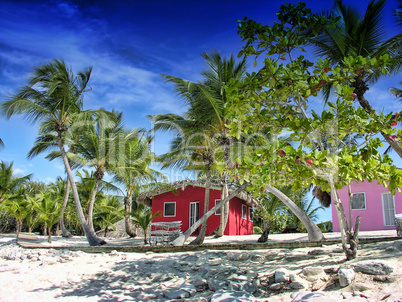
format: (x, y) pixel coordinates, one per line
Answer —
(62, 275)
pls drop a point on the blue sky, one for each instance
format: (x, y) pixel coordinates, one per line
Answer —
(129, 44)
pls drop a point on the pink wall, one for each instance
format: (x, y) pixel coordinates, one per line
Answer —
(236, 225)
(372, 218)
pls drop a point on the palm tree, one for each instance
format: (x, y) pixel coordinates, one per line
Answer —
(108, 211)
(356, 35)
(54, 96)
(204, 124)
(143, 217)
(134, 173)
(16, 207)
(48, 206)
(9, 183)
(98, 148)
(202, 133)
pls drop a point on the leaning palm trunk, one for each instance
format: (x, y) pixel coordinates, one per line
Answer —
(201, 236)
(91, 205)
(224, 210)
(64, 231)
(179, 241)
(127, 218)
(93, 240)
(314, 232)
(348, 237)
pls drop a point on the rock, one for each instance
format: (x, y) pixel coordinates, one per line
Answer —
(238, 256)
(361, 287)
(215, 262)
(312, 271)
(281, 275)
(298, 284)
(233, 296)
(299, 257)
(191, 258)
(197, 282)
(317, 252)
(372, 268)
(258, 258)
(190, 288)
(216, 285)
(391, 249)
(346, 276)
(114, 253)
(176, 294)
(275, 286)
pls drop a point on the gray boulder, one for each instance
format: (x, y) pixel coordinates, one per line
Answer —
(373, 268)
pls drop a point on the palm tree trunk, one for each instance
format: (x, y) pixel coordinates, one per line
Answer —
(201, 236)
(93, 240)
(179, 241)
(91, 205)
(64, 231)
(127, 218)
(49, 238)
(224, 210)
(314, 232)
(265, 232)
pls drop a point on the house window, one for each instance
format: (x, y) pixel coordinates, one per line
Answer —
(169, 209)
(250, 214)
(388, 209)
(218, 211)
(358, 201)
(244, 211)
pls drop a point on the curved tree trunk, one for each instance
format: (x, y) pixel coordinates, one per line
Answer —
(314, 232)
(91, 205)
(64, 231)
(201, 236)
(93, 240)
(127, 218)
(182, 238)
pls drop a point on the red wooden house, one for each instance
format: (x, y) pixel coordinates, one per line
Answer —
(186, 204)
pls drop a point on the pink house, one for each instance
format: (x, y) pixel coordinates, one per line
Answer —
(187, 205)
(373, 203)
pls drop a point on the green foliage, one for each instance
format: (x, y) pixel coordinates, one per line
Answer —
(142, 216)
(278, 96)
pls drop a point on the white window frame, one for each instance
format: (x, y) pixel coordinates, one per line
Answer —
(164, 208)
(365, 201)
(189, 209)
(217, 201)
(383, 210)
(244, 211)
(250, 212)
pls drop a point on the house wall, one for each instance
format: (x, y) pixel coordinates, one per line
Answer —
(190, 194)
(372, 218)
(236, 224)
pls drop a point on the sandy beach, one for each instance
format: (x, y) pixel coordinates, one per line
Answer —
(300, 274)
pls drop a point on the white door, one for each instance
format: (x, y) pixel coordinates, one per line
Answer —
(388, 206)
(194, 212)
